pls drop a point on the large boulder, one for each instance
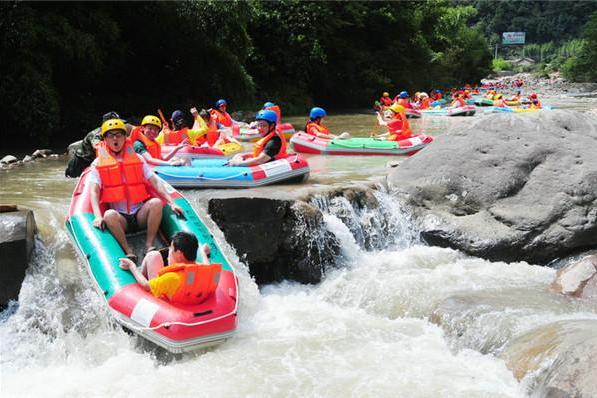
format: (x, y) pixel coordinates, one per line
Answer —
(17, 232)
(278, 239)
(509, 187)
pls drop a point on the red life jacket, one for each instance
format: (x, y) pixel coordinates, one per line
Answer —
(404, 102)
(386, 101)
(314, 128)
(399, 128)
(260, 145)
(174, 137)
(121, 180)
(222, 118)
(198, 282)
(458, 102)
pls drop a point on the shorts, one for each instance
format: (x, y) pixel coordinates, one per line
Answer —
(131, 222)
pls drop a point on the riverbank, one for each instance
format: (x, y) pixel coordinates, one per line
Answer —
(554, 85)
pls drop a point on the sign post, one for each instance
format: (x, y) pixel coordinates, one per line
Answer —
(510, 38)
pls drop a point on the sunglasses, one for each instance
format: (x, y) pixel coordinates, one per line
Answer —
(114, 134)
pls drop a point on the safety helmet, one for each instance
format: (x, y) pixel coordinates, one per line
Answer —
(267, 115)
(386, 94)
(403, 94)
(112, 124)
(424, 94)
(499, 96)
(268, 104)
(110, 115)
(317, 112)
(153, 120)
(221, 102)
(177, 115)
(533, 96)
(396, 108)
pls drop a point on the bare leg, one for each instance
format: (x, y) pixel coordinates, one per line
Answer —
(205, 253)
(117, 226)
(150, 217)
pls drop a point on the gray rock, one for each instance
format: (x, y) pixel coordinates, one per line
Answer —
(8, 159)
(278, 239)
(560, 358)
(17, 231)
(509, 187)
(27, 158)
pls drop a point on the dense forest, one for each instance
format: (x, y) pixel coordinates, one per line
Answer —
(64, 64)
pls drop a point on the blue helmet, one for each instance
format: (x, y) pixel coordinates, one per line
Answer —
(268, 104)
(177, 115)
(267, 115)
(317, 112)
(403, 94)
(221, 102)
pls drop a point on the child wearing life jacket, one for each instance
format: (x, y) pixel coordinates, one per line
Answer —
(398, 126)
(183, 281)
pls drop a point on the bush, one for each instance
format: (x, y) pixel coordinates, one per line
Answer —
(500, 64)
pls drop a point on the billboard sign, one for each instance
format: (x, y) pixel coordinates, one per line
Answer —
(513, 37)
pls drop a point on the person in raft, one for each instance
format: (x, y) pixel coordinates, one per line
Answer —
(220, 115)
(398, 126)
(385, 99)
(316, 127)
(271, 146)
(119, 177)
(458, 101)
(183, 281)
(144, 142)
(181, 134)
(535, 103)
(207, 130)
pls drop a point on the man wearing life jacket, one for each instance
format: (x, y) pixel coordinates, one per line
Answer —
(271, 147)
(385, 99)
(425, 101)
(403, 99)
(535, 103)
(315, 124)
(180, 134)
(183, 281)
(220, 115)
(458, 101)
(398, 126)
(120, 179)
(144, 142)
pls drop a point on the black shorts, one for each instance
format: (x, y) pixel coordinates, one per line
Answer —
(131, 222)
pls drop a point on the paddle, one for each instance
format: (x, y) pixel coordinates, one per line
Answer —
(164, 121)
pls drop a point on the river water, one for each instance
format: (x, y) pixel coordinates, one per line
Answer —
(365, 331)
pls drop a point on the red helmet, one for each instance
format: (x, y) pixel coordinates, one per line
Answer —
(533, 96)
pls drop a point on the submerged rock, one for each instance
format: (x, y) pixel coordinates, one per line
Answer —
(17, 232)
(509, 187)
(559, 359)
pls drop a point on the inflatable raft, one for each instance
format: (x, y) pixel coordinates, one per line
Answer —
(175, 327)
(307, 143)
(214, 173)
(204, 152)
(246, 134)
(467, 110)
(482, 101)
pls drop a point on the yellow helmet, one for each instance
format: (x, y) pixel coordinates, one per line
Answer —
(153, 120)
(386, 94)
(112, 124)
(396, 108)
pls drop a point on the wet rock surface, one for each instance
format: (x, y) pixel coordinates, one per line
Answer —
(560, 358)
(17, 232)
(508, 187)
(578, 278)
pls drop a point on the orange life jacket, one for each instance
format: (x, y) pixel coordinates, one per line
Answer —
(222, 118)
(198, 282)
(399, 128)
(535, 104)
(121, 180)
(260, 145)
(210, 137)
(278, 111)
(174, 137)
(426, 103)
(314, 128)
(154, 148)
(499, 103)
(134, 136)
